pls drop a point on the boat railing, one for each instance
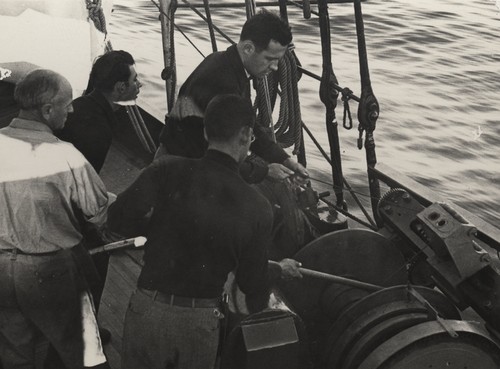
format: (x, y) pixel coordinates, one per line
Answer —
(330, 90)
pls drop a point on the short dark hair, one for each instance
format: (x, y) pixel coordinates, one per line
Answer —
(37, 88)
(264, 27)
(109, 68)
(226, 115)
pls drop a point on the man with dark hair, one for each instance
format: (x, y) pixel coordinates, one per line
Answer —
(206, 221)
(264, 28)
(263, 41)
(43, 182)
(113, 78)
(90, 129)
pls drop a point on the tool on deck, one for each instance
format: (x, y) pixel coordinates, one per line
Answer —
(135, 241)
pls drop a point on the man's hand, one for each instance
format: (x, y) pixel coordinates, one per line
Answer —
(301, 175)
(290, 269)
(279, 172)
(108, 236)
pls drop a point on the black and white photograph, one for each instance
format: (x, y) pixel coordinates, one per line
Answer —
(249, 184)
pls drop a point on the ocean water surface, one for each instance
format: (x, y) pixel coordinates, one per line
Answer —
(434, 67)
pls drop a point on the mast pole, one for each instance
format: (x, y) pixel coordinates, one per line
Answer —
(328, 95)
(169, 73)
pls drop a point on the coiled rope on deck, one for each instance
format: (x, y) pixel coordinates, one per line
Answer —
(288, 128)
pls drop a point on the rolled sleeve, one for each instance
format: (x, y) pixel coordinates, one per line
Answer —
(89, 193)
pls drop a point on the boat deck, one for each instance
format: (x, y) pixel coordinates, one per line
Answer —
(120, 169)
(123, 271)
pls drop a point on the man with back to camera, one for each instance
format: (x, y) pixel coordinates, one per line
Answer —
(43, 181)
(206, 221)
(263, 41)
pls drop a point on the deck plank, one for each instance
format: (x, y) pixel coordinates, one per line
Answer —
(120, 169)
(120, 283)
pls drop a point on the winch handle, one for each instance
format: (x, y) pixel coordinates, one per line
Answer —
(135, 241)
(335, 278)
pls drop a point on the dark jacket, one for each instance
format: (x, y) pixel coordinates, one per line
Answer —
(220, 73)
(206, 222)
(89, 128)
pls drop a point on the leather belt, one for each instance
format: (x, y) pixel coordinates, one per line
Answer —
(174, 300)
(19, 252)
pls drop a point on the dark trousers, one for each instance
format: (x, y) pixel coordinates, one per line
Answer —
(93, 269)
(159, 335)
(39, 294)
(101, 262)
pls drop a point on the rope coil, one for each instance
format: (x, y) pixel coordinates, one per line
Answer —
(288, 128)
(96, 15)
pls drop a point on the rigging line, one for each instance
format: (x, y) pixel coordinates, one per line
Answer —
(346, 184)
(302, 69)
(206, 21)
(298, 5)
(397, 206)
(210, 25)
(192, 7)
(350, 94)
(332, 185)
(344, 189)
(349, 215)
(178, 28)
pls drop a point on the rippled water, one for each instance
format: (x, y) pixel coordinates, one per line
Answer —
(434, 66)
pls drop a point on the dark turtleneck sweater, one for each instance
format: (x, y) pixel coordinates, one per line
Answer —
(206, 222)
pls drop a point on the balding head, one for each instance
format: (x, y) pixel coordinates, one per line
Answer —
(46, 96)
(37, 88)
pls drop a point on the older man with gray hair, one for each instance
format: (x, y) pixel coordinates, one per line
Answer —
(44, 182)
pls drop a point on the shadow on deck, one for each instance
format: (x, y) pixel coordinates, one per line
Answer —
(123, 164)
(123, 271)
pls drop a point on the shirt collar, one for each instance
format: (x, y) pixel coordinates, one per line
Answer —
(222, 158)
(237, 62)
(31, 125)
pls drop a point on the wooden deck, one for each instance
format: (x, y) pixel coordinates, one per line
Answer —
(123, 271)
(120, 170)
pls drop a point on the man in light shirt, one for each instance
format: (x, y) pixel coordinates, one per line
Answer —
(44, 182)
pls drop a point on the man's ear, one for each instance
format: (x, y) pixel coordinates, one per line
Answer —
(245, 135)
(119, 88)
(248, 47)
(46, 111)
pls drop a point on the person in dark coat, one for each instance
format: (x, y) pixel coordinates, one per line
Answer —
(89, 128)
(263, 41)
(202, 221)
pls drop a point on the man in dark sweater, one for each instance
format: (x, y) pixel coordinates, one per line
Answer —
(89, 128)
(263, 42)
(202, 221)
